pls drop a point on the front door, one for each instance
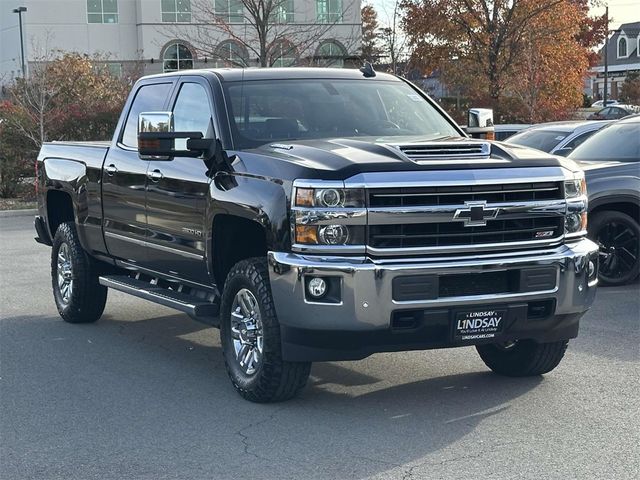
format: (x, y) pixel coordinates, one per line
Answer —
(124, 180)
(177, 192)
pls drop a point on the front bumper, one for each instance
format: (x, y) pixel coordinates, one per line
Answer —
(363, 318)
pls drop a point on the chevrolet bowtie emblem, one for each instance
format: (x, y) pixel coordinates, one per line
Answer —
(475, 214)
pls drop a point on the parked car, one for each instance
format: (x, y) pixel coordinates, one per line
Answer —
(611, 161)
(614, 113)
(558, 138)
(600, 103)
(506, 130)
(319, 215)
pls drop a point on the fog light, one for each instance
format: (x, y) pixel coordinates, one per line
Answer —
(333, 234)
(591, 269)
(317, 287)
(572, 223)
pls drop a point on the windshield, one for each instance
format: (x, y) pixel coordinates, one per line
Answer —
(278, 110)
(620, 141)
(545, 140)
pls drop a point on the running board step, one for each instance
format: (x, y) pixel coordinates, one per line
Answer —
(196, 307)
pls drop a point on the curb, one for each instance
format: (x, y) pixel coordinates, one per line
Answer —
(27, 212)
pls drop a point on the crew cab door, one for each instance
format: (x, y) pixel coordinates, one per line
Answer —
(177, 192)
(124, 179)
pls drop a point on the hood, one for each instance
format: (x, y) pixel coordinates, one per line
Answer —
(341, 158)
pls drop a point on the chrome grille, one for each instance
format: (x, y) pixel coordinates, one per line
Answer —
(424, 219)
(428, 196)
(449, 150)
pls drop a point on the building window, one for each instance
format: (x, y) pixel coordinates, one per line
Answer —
(176, 11)
(329, 11)
(177, 56)
(231, 54)
(102, 11)
(283, 54)
(622, 47)
(331, 54)
(230, 11)
(284, 12)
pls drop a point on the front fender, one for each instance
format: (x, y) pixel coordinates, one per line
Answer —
(256, 198)
(616, 189)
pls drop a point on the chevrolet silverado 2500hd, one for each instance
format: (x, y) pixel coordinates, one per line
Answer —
(319, 214)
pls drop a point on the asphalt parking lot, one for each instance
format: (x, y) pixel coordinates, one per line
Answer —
(143, 394)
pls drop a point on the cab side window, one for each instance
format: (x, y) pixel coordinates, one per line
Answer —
(579, 139)
(149, 98)
(192, 111)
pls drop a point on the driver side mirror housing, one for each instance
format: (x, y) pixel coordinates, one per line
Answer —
(480, 123)
(157, 138)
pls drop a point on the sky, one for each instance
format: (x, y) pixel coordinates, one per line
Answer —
(620, 11)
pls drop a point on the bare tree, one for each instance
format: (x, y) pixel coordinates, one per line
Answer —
(265, 29)
(393, 38)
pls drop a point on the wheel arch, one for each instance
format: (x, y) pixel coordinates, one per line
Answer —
(234, 238)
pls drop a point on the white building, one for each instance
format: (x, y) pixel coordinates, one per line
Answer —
(623, 57)
(162, 34)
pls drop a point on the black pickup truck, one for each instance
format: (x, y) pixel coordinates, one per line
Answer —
(315, 215)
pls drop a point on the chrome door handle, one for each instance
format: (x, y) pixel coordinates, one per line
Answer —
(155, 175)
(111, 169)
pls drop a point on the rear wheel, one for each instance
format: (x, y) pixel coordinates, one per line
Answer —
(618, 236)
(250, 337)
(523, 358)
(78, 295)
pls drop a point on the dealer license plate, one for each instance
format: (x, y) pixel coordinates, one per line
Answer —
(479, 324)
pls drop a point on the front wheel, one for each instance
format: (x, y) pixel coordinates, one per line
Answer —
(523, 358)
(618, 236)
(78, 294)
(250, 337)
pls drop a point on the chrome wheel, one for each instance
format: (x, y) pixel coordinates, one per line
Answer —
(246, 331)
(65, 273)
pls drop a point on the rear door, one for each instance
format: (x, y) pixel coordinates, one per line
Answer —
(124, 179)
(178, 189)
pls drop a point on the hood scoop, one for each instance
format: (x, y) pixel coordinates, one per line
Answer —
(445, 150)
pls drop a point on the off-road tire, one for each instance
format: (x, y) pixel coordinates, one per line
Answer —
(88, 298)
(274, 380)
(524, 359)
(598, 222)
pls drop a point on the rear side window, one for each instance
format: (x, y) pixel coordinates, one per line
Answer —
(149, 98)
(545, 140)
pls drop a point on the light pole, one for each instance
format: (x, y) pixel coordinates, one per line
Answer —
(19, 11)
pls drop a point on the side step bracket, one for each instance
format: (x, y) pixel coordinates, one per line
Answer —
(198, 308)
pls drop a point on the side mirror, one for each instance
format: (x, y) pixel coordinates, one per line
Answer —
(480, 123)
(157, 138)
(563, 152)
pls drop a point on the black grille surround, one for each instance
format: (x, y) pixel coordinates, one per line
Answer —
(530, 223)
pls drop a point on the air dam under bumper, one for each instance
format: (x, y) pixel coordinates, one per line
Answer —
(545, 293)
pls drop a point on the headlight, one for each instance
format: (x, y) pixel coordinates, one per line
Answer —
(328, 217)
(329, 197)
(329, 234)
(575, 191)
(576, 187)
